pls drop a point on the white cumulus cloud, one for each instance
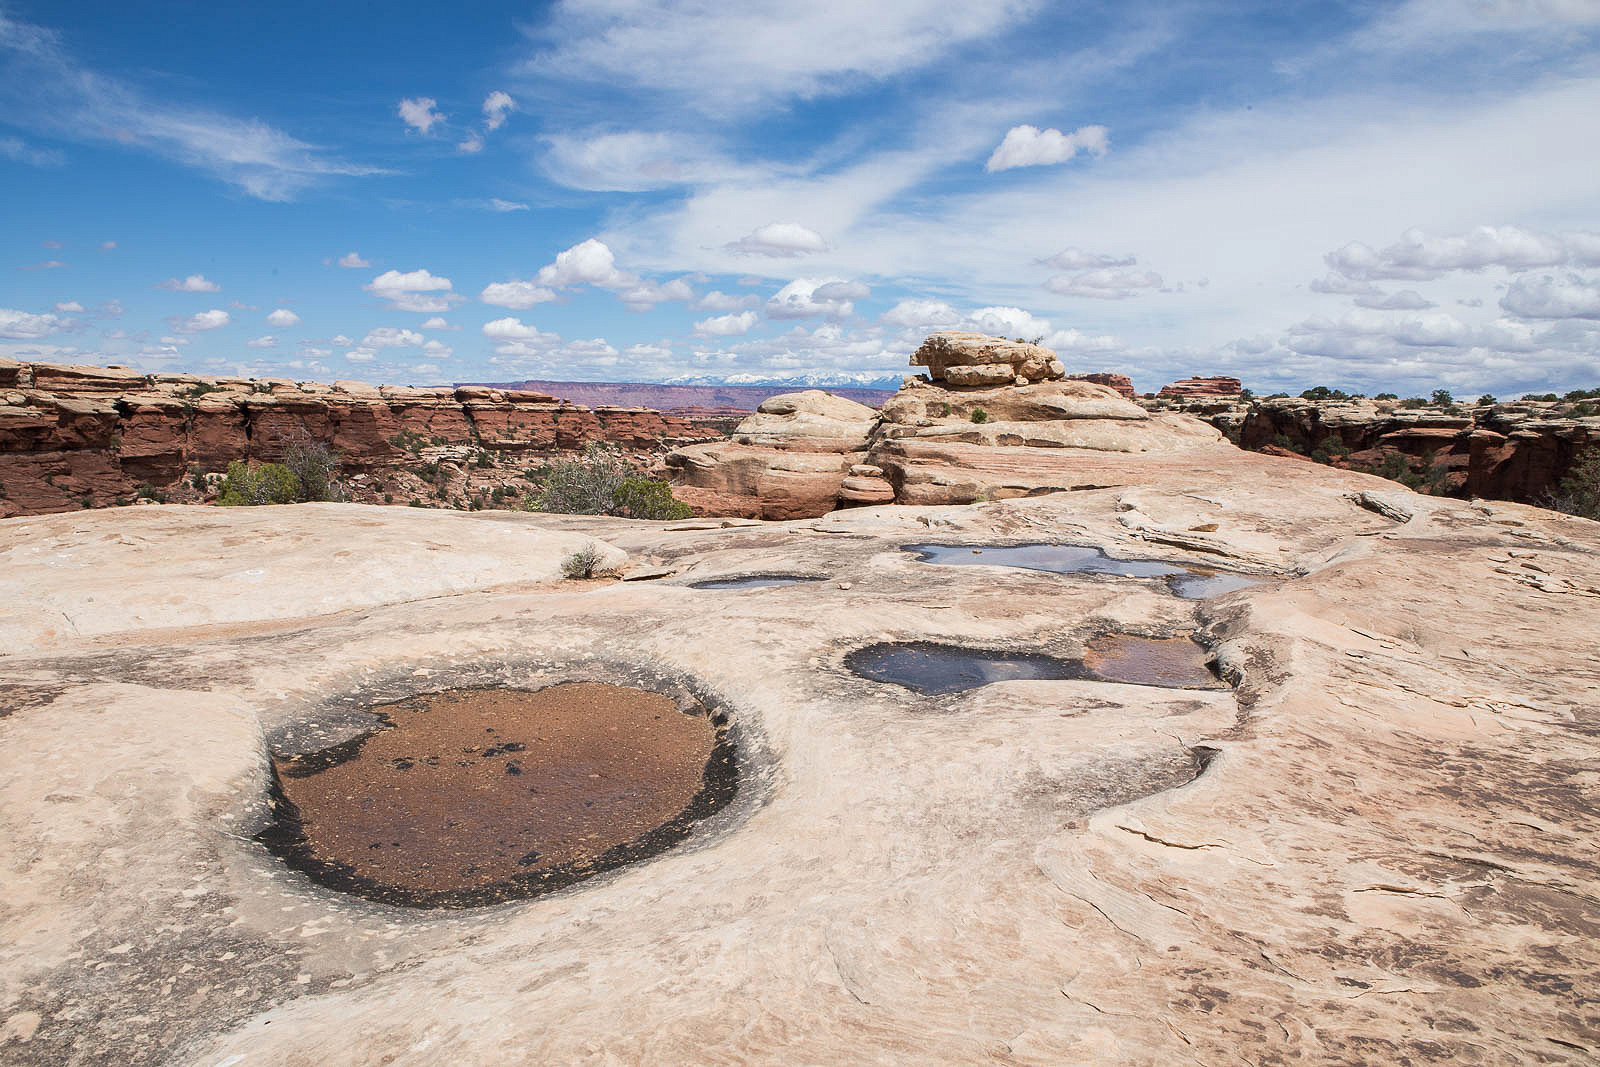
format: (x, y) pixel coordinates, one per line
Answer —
(391, 337)
(1420, 256)
(438, 323)
(416, 290)
(516, 294)
(496, 106)
(726, 325)
(1104, 284)
(262, 342)
(780, 239)
(200, 322)
(1029, 146)
(1569, 297)
(20, 325)
(353, 259)
(194, 283)
(419, 113)
(809, 297)
(588, 262)
(283, 318)
(914, 313)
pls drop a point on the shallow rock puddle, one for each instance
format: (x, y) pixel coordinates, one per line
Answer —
(1191, 583)
(475, 796)
(935, 669)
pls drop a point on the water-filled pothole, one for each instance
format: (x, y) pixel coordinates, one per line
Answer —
(1191, 583)
(477, 796)
(1173, 662)
(756, 581)
(935, 669)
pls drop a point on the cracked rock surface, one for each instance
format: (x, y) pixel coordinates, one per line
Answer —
(1378, 846)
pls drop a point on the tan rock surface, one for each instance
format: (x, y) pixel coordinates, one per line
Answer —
(1379, 847)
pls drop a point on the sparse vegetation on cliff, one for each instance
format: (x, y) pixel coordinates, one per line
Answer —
(265, 483)
(1580, 489)
(601, 482)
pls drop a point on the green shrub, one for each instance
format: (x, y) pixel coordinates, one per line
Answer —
(1487, 399)
(1580, 489)
(1387, 396)
(979, 415)
(268, 483)
(647, 498)
(316, 467)
(584, 486)
(1442, 398)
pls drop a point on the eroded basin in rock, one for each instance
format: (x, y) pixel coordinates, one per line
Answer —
(1172, 662)
(1191, 583)
(476, 796)
(756, 581)
(936, 669)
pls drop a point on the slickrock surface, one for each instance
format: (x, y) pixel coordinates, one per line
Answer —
(74, 437)
(1379, 846)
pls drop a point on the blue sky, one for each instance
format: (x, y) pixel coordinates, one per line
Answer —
(1397, 195)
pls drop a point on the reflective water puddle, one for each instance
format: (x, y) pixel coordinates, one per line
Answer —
(934, 669)
(476, 796)
(1191, 583)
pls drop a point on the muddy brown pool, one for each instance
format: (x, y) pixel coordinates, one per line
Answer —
(474, 796)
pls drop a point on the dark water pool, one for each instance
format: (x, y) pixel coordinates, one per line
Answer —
(934, 669)
(756, 581)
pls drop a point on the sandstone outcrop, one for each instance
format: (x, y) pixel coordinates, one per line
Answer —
(961, 359)
(789, 460)
(952, 440)
(73, 437)
(1120, 382)
(1378, 846)
(1204, 387)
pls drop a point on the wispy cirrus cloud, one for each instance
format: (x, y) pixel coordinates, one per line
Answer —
(43, 85)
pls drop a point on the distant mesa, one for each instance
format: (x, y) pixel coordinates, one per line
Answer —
(1198, 387)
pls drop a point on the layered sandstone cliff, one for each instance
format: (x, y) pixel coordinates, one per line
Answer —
(1512, 451)
(73, 437)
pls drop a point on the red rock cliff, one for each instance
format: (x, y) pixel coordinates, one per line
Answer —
(72, 437)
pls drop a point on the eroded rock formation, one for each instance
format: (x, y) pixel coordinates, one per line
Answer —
(1518, 450)
(998, 419)
(1206, 387)
(73, 437)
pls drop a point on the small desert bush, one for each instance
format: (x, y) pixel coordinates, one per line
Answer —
(979, 415)
(587, 562)
(266, 483)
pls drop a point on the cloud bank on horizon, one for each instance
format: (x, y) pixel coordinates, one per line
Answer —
(1396, 195)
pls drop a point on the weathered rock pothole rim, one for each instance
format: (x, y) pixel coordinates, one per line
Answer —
(738, 776)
